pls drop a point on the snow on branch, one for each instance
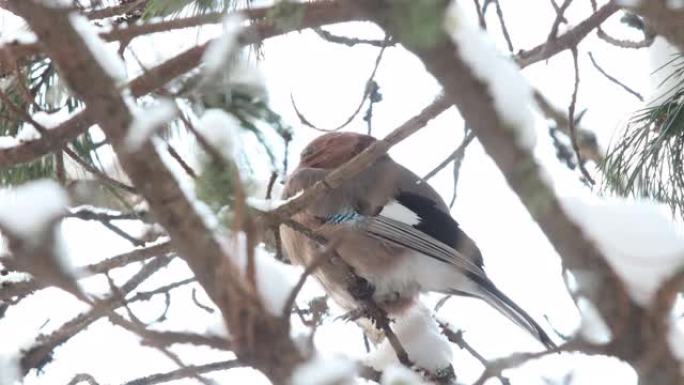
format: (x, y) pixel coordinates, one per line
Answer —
(260, 338)
(636, 237)
(313, 15)
(28, 210)
(106, 56)
(511, 93)
(634, 330)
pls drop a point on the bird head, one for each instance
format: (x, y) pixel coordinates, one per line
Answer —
(334, 149)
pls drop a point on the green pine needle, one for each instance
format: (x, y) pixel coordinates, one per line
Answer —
(648, 160)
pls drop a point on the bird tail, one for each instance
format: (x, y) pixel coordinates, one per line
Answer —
(498, 300)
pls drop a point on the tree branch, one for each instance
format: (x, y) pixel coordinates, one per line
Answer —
(260, 339)
(567, 40)
(184, 372)
(628, 322)
(363, 160)
(313, 15)
(663, 20)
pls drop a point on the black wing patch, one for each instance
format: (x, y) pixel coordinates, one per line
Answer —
(438, 224)
(434, 221)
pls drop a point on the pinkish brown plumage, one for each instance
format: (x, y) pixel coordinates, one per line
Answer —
(395, 231)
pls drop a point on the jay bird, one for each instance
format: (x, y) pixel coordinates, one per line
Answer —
(394, 230)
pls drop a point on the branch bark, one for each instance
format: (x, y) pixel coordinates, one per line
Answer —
(631, 326)
(258, 338)
(364, 159)
(567, 40)
(312, 15)
(663, 20)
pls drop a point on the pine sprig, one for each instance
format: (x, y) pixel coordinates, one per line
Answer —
(648, 160)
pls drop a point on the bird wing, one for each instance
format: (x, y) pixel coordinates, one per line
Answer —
(391, 203)
(415, 223)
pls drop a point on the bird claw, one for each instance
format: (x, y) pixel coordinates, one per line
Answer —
(374, 314)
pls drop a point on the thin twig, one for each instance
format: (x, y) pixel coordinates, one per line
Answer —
(649, 38)
(118, 231)
(366, 93)
(480, 15)
(352, 41)
(363, 160)
(48, 135)
(139, 329)
(184, 165)
(317, 261)
(99, 174)
(457, 338)
(571, 120)
(458, 152)
(60, 172)
(614, 80)
(88, 214)
(200, 305)
(569, 39)
(271, 182)
(184, 372)
(560, 17)
(558, 11)
(83, 377)
(124, 259)
(39, 354)
(504, 29)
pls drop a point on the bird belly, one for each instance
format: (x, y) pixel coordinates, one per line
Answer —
(379, 263)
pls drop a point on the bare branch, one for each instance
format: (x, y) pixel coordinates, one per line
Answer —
(352, 41)
(560, 17)
(480, 15)
(260, 339)
(184, 372)
(314, 14)
(571, 119)
(459, 152)
(586, 140)
(39, 354)
(366, 93)
(502, 23)
(614, 80)
(630, 325)
(83, 377)
(663, 20)
(567, 40)
(115, 10)
(363, 160)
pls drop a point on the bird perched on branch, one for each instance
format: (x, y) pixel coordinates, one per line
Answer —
(394, 231)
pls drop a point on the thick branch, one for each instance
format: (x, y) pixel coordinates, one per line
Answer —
(313, 15)
(628, 322)
(259, 338)
(663, 20)
(39, 354)
(363, 160)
